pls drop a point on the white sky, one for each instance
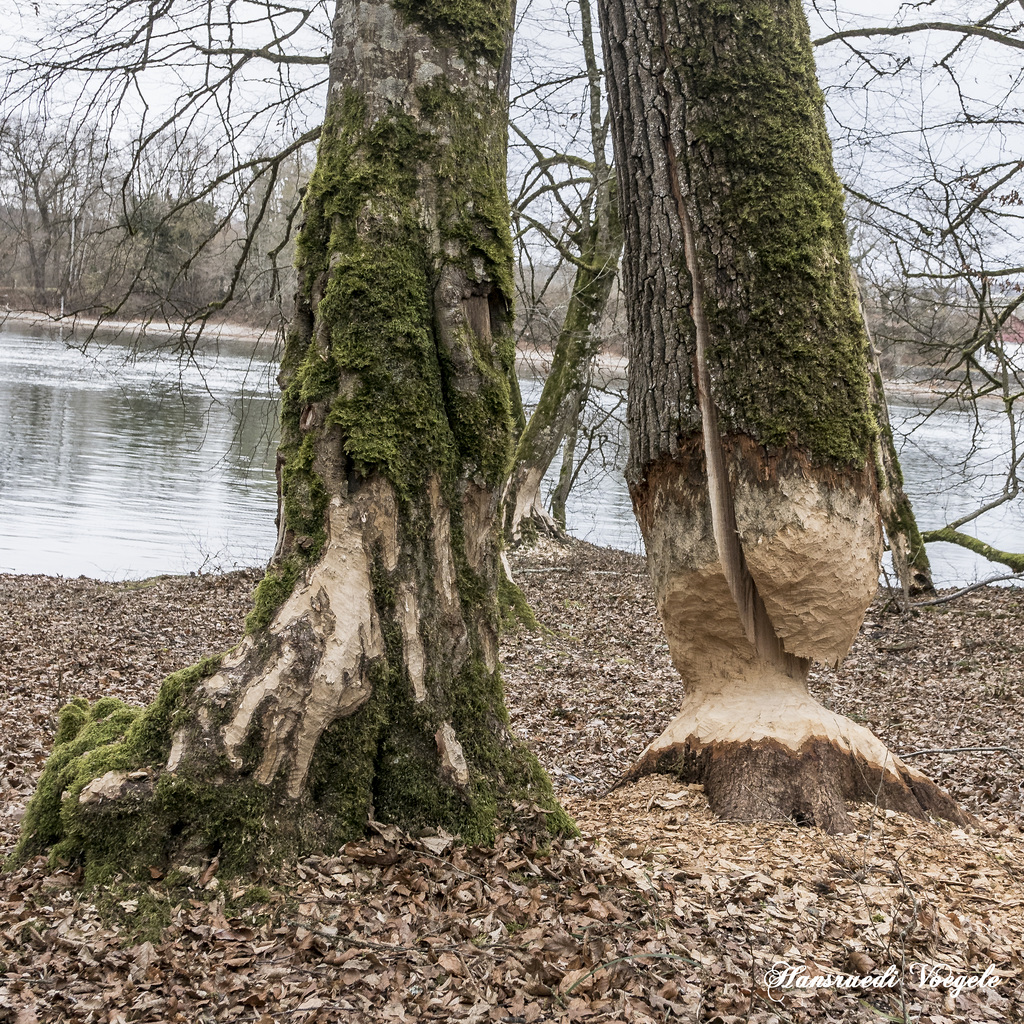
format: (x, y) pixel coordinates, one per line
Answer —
(887, 126)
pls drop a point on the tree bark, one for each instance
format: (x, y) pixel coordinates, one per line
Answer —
(556, 417)
(751, 464)
(564, 392)
(909, 555)
(567, 471)
(368, 684)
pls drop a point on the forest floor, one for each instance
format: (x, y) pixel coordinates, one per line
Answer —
(658, 912)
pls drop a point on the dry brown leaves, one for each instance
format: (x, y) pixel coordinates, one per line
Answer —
(659, 913)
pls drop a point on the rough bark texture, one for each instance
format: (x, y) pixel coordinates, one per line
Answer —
(752, 438)
(368, 685)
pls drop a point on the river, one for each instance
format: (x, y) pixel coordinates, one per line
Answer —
(122, 462)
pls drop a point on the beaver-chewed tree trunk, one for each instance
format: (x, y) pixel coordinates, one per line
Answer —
(367, 686)
(751, 467)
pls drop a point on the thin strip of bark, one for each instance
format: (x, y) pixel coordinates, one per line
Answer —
(753, 615)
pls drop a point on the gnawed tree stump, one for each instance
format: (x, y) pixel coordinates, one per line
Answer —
(751, 466)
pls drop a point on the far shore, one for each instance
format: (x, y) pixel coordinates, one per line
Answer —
(913, 383)
(155, 328)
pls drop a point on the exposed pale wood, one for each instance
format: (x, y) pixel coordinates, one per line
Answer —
(751, 462)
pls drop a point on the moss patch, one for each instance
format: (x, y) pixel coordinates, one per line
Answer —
(385, 756)
(1012, 560)
(789, 349)
(515, 609)
(140, 828)
(477, 29)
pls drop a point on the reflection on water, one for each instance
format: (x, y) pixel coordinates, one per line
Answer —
(598, 508)
(118, 464)
(121, 464)
(954, 463)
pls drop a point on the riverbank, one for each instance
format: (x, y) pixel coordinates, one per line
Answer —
(660, 911)
(264, 337)
(530, 359)
(912, 384)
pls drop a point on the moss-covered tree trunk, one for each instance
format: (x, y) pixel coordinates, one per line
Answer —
(563, 397)
(752, 439)
(368, 684)
(564, 393)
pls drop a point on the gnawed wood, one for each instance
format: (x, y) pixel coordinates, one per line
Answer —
(752, 439)
(326, 632)
(764, 748)
(453, 757)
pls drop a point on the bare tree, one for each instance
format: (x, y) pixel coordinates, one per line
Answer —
(929, 150)
(54, 200)
(590, 241)
(234, 87)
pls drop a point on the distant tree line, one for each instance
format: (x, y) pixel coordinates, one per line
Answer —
(88, 228)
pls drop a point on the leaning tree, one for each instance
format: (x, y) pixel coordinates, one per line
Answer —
(367, 686)
(753, 447)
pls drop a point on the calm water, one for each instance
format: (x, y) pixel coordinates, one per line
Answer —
(118, 464)
(123, 464)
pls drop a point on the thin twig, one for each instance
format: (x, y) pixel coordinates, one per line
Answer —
(963, 750)
(967, 590)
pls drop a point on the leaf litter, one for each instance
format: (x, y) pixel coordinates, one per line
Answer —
(658, 912)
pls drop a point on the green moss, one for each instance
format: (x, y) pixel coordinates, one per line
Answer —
(271, 592)
(385, 756)
(91, 741)
(481, 420)
(470, 166)
(1012, 560)
(904, 523)
(761, 164)
(475, 28)
(398, 406)
(138, 914)
(72, 719)
(256, 895)
(503, 772)
(515, 609)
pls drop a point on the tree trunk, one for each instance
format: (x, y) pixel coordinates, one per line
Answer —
(909, 554)
(751, 468)
(367, 686)
(562, 397)
(567, 471)
(910, 559)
